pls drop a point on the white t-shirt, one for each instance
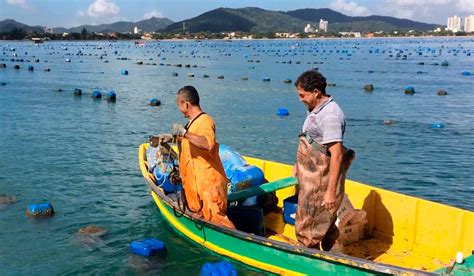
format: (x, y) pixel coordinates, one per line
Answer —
(326, 123)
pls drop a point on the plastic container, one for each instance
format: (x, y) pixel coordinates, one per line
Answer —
(221, 269)
(249, 219)
(290, 205)
(40, 210)
(163, 179)
(147, 247)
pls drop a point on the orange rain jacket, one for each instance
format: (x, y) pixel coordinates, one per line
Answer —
(202, 173)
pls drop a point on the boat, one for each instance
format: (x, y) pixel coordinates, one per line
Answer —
(403, 234)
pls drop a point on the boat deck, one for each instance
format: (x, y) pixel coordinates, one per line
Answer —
(371, 248)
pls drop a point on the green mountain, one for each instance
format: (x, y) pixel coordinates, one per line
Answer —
(359, 23)
(260, 20)
(9, 25)
(243, 20)
(147, 25)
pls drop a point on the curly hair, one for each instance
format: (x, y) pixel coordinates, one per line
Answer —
(311, 80)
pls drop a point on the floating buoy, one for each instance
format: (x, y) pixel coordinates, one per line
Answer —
(370, 71)
(111, 96)
(421, 63)
(174, 74)
(47, 69)
(409, 90)
(444, 63)
(124, 72)
(266, 79)
(244, 78)
(68, 60)
(221, 268)
(140, 62)
(437, 126)
(96, 94)
(369, 87)
(287, 81)
(331, 84)
(388, 122)
(190, 75)
(3, 65)
(442, 92)
(419, 72)
(282, 112)
(31, 68)
(59, 90)
(40, 210)
(221, 77)
(155, 102)
(147, 247)
(3, 83)
(465, 73)
(77, 92)
(16, 66)
(205, 76)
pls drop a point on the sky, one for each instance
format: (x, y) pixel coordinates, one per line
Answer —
(70, 13)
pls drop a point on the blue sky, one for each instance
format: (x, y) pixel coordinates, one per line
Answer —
(69, 13)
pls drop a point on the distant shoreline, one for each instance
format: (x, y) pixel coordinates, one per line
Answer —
(249, 39)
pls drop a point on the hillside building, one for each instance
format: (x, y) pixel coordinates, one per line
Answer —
(323, 25)
(469, 24)
(308, 29)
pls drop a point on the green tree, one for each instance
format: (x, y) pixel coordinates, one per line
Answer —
(84, 33)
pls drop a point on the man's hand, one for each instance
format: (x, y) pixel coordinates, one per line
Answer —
(178, 130)
(329, 200)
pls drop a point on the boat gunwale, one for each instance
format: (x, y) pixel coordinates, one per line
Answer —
(294, 249)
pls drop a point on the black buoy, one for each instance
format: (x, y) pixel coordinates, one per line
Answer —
(77, 92)
(174, 74)
(155, 102)
(16, 66)
(96, 94)
(369, 87)
(442, 92)
(221, 77)
(244, 78)
(331, 84)
(287, 81)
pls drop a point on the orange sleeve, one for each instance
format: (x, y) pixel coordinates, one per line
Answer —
(207, 128)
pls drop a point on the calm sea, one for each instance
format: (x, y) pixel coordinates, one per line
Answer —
(81, 154)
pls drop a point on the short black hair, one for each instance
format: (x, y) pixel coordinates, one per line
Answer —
(311, 80)
(190, 94)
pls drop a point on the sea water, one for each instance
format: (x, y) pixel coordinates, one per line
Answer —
(80, 154)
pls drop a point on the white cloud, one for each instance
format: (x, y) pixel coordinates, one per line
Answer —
(153, 13)
(350, 8)
(102, 7)
(22, 3)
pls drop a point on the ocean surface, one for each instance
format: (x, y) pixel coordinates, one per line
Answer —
(80, 154)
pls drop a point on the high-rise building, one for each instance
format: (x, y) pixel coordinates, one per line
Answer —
(323, 25)
(454, 24)
(469, 24)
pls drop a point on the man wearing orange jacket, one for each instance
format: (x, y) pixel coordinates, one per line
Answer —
(203, 177)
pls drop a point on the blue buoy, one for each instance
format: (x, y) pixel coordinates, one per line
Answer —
(266, 79)
(31, 68)
(148, 247)
(155, 102)
(371, 71)
(437, 126)
(124, 72)
(40, 210)
(77, 92)
(96, 94)
(409, 90)
(282, 112)
(221, 268)
(465, 73)
(111, 96)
